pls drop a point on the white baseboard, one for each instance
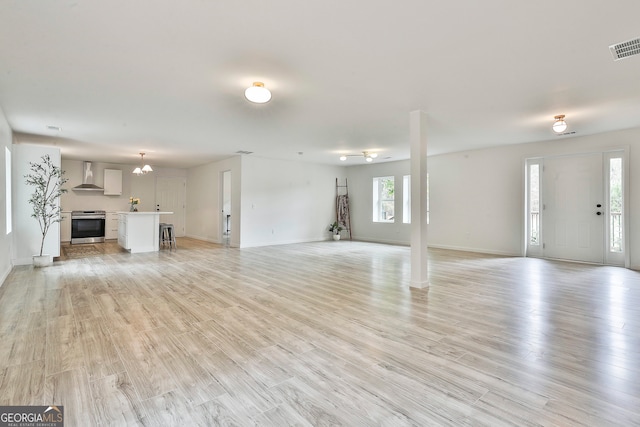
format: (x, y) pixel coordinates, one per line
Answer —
(365, 239)
(5, 274)
(448, 247)
(475, 250)
(22, 261)
(206, 239)
(382, 241)
(282, 242)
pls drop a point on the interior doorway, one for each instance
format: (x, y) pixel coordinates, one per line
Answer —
(225, 202)
(575, 207)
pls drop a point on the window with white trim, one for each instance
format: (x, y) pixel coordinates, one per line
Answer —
(406, 199)
(616, 203)
(533, 181)
(383, 199)
(7, 180)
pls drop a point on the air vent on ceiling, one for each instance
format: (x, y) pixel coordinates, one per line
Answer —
(566, 133)
(244, 152)
(625, 49)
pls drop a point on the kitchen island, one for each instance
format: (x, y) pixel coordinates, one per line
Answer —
(139, 231)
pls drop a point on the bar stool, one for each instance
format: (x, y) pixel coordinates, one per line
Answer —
(167, 235)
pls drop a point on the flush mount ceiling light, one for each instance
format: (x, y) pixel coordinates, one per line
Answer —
(368, 157)
(143, 168)
(257, 93)
(559, 125)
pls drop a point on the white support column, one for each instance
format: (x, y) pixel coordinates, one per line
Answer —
(418, 140)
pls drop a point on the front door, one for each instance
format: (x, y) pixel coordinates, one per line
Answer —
(573, 208)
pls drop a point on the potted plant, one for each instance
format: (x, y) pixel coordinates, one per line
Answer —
(48, 180)
(335, 228)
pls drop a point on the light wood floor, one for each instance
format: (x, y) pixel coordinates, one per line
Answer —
(323, 333)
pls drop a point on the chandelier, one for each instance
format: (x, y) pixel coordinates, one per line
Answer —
(142, 169)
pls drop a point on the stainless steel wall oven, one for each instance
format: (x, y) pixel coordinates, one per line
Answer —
(87, 226)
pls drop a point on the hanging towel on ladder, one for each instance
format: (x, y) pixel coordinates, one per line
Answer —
(343, 210)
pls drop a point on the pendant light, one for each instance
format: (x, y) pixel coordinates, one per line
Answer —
(143, 168)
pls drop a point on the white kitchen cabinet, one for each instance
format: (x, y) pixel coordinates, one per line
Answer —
(111, 226)
(112, 182)
(65, 226)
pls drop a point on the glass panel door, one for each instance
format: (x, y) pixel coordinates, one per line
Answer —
(532, 208)
(615, 247)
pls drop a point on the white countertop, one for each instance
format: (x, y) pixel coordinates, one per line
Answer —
(145, 213)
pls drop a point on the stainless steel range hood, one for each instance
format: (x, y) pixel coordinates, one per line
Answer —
(87, 179)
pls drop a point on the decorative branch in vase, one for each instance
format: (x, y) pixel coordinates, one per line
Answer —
(133, 201)
(48, 180)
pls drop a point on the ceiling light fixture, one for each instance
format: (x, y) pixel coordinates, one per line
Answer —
(368, 157)
(143, 168)
(257, 93)
(559, 125)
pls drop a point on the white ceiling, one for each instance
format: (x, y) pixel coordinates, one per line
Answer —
(167, 77)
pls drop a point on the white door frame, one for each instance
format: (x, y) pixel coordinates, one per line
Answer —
(530, 250)
(221, 216)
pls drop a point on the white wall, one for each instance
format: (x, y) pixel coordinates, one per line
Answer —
(272, 201)
(6, 245)
(204, 201)
(476, 200)
(476, 197)
(27, 236)
(360, 180)
(143, 187)
(286, 201)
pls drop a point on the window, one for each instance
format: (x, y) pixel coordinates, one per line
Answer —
(383, 199)
(7, 180)
(615, 204)
(534, 204)
(406, 199)
(428, 197)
